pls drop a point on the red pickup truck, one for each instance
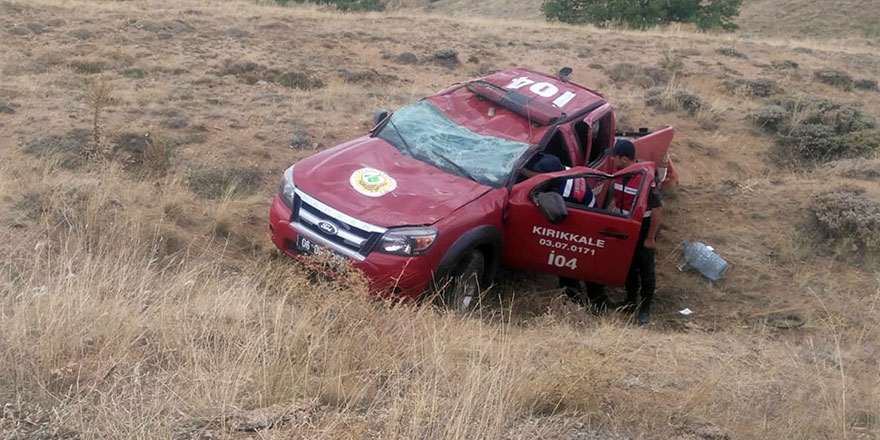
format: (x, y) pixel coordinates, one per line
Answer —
(434, 197)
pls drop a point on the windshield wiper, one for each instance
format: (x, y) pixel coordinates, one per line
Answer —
(458, 168)
(405, 144)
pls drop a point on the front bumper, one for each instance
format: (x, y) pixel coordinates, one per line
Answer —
(388, 275)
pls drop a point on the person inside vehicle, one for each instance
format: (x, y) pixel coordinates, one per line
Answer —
(641, 269)
(574, 190)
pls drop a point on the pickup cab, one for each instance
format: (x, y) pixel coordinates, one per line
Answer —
(434, 197)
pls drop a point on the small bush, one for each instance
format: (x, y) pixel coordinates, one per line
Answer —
(785, 65)
(215, 183)
(843, 118)
(299, 80)
(835, 78)
(343, 5)
(143, 152)
(134, 73)
(445, 57)
(730, 52)
(671, 97)
(866, 84)
(672, 63)
(251, 73)
(815, 143)
(771, 117)
(88, 67)
(811, 130)
(761, 88)
(406, 58)
(848, 215)
(622, 72)
(66, 149)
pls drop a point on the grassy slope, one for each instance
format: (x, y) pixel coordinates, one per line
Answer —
(191, 326)
(842, 18)
(758, 18)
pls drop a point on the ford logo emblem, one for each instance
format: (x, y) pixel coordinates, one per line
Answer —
(327, 227)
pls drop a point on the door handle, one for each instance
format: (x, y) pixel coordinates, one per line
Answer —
(614, 234)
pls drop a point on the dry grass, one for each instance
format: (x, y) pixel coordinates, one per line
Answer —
(133, 307)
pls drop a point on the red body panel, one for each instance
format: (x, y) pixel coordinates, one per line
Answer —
(423, 196)
(456, 206)
(589, 245)
(408, 277)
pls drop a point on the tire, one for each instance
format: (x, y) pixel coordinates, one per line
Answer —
(786, 322)
(462, 291)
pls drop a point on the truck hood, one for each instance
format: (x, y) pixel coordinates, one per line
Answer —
(415, 194)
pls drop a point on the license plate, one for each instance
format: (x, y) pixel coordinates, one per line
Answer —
(309, 247)
(306, 246)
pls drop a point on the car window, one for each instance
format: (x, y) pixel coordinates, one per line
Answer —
(423, 132)
(599, 196)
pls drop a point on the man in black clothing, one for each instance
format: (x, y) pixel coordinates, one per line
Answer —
(641, 269)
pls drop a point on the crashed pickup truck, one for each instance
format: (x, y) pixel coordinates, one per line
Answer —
(435, 198)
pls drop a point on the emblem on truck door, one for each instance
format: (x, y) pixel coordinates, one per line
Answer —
(372, 183)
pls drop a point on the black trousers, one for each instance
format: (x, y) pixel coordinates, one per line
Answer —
(641, 274)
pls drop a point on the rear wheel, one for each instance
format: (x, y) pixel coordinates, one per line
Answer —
(462, 292)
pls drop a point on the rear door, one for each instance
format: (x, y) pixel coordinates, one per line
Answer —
(655, 148)
(591, 244)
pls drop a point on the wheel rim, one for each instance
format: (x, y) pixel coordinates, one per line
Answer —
(468, 293)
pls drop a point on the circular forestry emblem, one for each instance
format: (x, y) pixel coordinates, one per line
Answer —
(372, 183)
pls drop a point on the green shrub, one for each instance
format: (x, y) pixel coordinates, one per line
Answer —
(835, 78)
(866, 84)
(299, 80)
(706, 14)
(771, 117)
(343, 5)
(761, 88)
(811, 130)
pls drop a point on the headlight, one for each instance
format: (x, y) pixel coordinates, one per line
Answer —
(287, 189)
(407, 241)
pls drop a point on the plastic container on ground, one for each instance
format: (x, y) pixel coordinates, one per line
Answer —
(702, 258)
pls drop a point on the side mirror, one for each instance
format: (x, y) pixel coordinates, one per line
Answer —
(552, 205)
(379, 116)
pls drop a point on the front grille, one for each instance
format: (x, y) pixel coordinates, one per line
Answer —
(337, 230)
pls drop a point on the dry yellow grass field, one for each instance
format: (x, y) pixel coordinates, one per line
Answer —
(140, 296)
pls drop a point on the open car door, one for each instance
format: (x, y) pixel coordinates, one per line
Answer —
(654, 147)
(590, 244)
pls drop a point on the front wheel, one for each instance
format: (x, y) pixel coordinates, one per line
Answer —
(462, 292)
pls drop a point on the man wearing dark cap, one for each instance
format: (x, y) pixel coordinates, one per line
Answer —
(641, 270)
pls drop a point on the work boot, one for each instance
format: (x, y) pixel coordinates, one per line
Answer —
(629, 305)
(644, 313)
(572, 289)
(574, 296)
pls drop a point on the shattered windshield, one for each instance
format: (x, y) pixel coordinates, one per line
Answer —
(423, 132)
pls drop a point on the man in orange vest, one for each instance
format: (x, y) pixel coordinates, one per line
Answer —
(641, 269)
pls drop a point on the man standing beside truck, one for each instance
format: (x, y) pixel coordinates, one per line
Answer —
(641, 269)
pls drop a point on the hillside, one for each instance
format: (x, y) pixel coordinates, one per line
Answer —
(141, 298)
(841, 19)
(838, 19)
